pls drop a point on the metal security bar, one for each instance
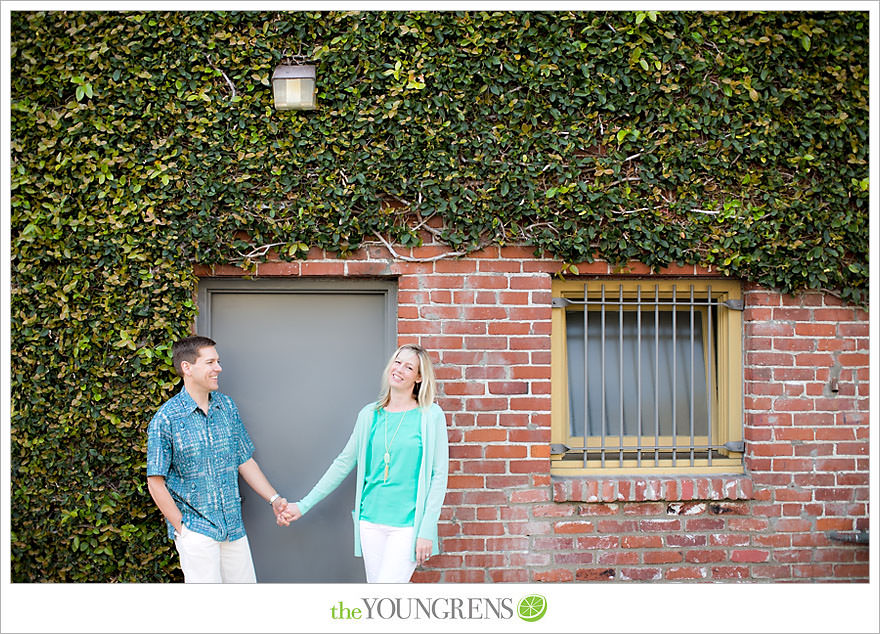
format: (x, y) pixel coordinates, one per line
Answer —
(671, 424)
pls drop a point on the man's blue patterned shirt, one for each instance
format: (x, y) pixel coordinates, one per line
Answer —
(199, 457)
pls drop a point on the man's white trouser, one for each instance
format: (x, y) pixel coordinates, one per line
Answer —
(205, 560)
(388, 552)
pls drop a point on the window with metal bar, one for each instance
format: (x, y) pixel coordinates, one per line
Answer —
(647, 376)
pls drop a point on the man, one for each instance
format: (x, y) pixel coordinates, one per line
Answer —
(196, 448)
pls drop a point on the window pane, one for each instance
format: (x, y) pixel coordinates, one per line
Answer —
(656, 378)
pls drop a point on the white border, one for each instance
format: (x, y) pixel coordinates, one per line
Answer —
(594, 607)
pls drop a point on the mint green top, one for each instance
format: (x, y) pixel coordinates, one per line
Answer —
(430, 486)
(392, 502)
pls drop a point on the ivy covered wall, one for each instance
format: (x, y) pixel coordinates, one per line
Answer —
(146, 143)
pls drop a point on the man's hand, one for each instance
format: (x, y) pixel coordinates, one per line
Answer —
(279, 507)
(288, 513)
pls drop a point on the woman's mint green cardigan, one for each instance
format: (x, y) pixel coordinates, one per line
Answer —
(433, 472)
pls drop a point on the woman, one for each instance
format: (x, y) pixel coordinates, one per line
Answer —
(401, 451)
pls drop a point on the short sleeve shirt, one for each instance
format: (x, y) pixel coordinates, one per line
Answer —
(199, 455)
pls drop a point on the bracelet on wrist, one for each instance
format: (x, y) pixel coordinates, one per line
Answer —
(273, 498)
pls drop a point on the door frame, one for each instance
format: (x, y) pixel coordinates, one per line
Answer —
(207, 286)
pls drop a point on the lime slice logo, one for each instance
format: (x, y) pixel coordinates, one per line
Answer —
(532, 607)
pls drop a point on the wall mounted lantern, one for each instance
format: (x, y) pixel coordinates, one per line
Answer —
(293, 86)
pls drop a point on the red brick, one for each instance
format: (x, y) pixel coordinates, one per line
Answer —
(854, 329)
(529, 559)
(686, 573)
(509, 387)
(851, 570)
(687, 541)
(646, 508)
(641, 541)
(555, 576)
(464, 576)
(596, 542)
(278, 269)
(530, 495)
(463, 327)
(657, 525)
(486, 404)
(839, 494)
(761, 298)
(463, 544)
(465, 451)
(809, 329)
(834, 524)
(499, 266)
(749, 556)
(772, 359)
(461, 388)
(517, 313)
(506, 358)
(323, 268)
(770, 449)
(597, 509)
(505, 575)
(617, 558)
(703, 524)
(833, 314)
(747, 524)
(529, 435)
(771, 572)
(794, 374)
(793, 525)
(520, 419)
(573, 527)
(793, 495)
(640, 574)
(705, 556)
(510, 328)
(553, 510)
(521, 298)
(539, 451)
(836, 464)
(483, 466)
(465, 482)
(662, 557)
(507, 544)
(595, 574)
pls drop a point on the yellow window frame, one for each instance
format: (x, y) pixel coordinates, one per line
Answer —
(726, 384)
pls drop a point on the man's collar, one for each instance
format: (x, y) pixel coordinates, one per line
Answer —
(189, 403)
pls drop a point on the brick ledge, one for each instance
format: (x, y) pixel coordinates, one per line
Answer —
(641, 489)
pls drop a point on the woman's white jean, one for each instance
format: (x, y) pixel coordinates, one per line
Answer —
(388, 552)
(205, 560)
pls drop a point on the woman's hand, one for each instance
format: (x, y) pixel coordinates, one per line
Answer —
(289, 514)
(423, 550)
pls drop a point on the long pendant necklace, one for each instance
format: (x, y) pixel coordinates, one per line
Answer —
(387, 444)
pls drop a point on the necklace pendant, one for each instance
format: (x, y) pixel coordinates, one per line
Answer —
(386, 474)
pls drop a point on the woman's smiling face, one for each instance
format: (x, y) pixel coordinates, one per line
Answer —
(404, 371)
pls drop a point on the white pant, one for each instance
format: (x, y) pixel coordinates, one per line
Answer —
(388, 552)
(205, 560)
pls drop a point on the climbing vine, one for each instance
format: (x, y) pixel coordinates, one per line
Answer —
(146, 142)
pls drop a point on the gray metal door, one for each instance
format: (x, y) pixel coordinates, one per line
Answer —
(300, 358)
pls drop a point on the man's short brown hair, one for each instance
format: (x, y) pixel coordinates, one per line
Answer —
(187, 349)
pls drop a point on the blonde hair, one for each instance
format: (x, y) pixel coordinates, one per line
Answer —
(424, 390)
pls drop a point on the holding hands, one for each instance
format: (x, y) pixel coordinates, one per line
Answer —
(281, 509)
(285, 513)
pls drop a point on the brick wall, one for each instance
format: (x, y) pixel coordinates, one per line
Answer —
(486, 320)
